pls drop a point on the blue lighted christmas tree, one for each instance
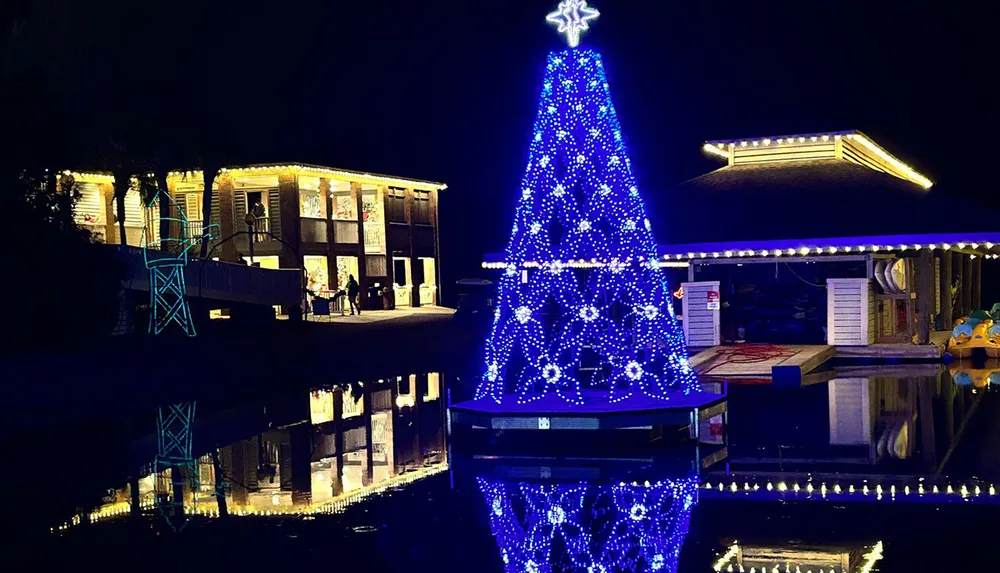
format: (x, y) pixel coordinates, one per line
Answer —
(590, 528)
(583, 310)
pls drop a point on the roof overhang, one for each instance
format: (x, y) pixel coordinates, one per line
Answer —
(852, 146)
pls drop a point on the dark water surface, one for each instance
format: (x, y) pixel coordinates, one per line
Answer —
(878, 468)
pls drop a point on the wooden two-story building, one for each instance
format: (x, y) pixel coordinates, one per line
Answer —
(331, 223)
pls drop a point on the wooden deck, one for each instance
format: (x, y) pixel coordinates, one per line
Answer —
(903, 350)
(764, 361)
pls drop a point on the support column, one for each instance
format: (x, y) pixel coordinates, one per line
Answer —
(362, 264)
(227, 226)
(288, 204)
(338, 429)
(967, 284)
(418, 398)
(108, 200)
(977, 283)
(925, 295)
(945, 286)
(395, 423)
(390, 297)
(369, 469)
(300, 438)
(331, 240)
(957, 280)
(437, 247)
(238, 474)
(408, 210)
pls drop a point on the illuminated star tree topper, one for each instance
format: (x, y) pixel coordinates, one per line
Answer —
(572, 17)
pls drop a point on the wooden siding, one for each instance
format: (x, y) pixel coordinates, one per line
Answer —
(773, 153)
(850, 412)
(375, 265)
(274, 211)
(701, 325)
(423, 241)
(345, 232)
(850, 314)
(313, 230)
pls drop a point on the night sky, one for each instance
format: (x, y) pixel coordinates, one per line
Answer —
(447, 90)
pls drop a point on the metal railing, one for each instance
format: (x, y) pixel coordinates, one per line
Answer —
(220, 280)
(324, 304)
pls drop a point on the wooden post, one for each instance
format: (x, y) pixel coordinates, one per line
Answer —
(418, 397)
(390, 296)
(288, 201)
(362, 263)
(925, 295)
(300, 437)
(437, 247)
(946, 308)
(415, 288)
(395, 422)
(977, 283)
(227, 224)
(967, 284)
(108, 200)
(331, 259)
(369, 470)
(338, 430)
(238, 473)
(956, 281)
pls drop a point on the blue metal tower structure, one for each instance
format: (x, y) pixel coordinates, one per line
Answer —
(166, 258)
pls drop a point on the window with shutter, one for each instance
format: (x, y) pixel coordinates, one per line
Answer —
(89, 208)
(134, 211)
(421, 207)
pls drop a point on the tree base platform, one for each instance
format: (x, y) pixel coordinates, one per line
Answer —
(553, 413)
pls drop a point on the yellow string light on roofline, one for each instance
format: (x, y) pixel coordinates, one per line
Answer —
(713, 150)
(84, 176)
(782, 488)
(884, 155)
(908, 172)
(830, 250)
(311, 169)
(331, 507)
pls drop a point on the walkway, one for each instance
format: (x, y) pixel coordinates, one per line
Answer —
(374, 316)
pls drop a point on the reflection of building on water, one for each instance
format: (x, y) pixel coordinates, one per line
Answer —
(590, 527)
(326, 462)
(798, 558)
(856, 437)
(848, 421)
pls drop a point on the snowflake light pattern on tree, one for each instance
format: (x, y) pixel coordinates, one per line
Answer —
(590, 528)
(595, 311)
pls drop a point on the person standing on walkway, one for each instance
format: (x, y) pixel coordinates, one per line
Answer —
(352, 293)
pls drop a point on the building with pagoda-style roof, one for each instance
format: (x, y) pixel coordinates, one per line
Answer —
(824, 238)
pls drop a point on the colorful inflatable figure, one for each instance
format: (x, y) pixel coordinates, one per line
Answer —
(988, 375)
(981, 329)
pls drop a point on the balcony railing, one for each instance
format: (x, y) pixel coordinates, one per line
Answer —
(345, 232)
(313, 230)
(261, 226)
(194, 231)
